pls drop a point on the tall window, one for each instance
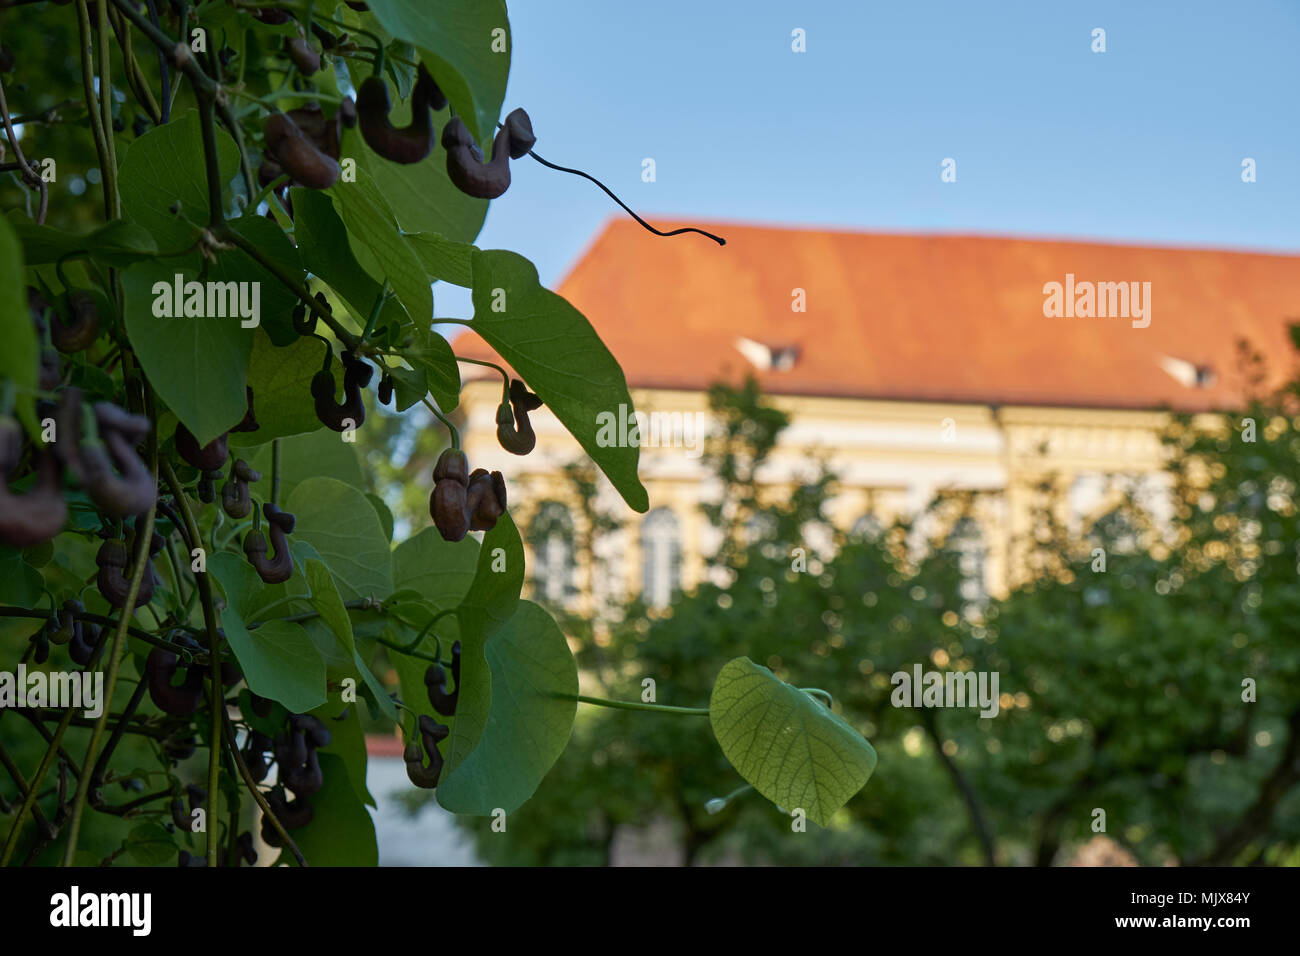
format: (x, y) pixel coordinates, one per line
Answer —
(551, 536)
(967, 540)
(661, 557)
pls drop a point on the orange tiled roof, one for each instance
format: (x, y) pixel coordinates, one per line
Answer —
(926, 317)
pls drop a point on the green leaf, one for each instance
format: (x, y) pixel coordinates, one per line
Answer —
(348, 743)
(557, 352)
(150, 844)
(20, 583)
(422, 198)
(457, 47)
(792, 748)
(327, 603)
(444, 258)
(409, 386)
(197, 365)
(339, 522)
(491, 600)
(281, 382)
(21, 353)
(279, 661)
(276, 299)
(440, 571)
(318, 453)
(166, 166)
(380, 247)
(385, 516)
(431, 354)
(323, 246)
(118, 243)
(534, 691)
(278, 658)
(341, 832)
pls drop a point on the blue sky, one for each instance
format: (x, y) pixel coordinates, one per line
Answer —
(1142, 143)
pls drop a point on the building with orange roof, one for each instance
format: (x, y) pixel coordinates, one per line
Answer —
(912, 363)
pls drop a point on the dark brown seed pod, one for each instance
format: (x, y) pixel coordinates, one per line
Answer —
(236, 500)
(85, 639)
(522, 139)
(83, 327)
(348, 112)
(385, 390)
(119, 495)
(313, 729)
(351, 412)
(209, 457)
(179, 701)
(514, 430)
(112, 579)
(280, 568)
(303, 56)
(206, 487)
(408, 144)
(452, 464)
(465, 166)
(435, 680)
(421, 774)
(38, 514)
(244, 844)
(271, 15)
(447, 507)
(485, 499)
(297, 155)
(180, 817)
(69, 622)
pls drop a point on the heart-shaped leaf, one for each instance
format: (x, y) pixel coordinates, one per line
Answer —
(792, 748)
(534, 699)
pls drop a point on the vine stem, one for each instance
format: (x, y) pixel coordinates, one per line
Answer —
(142, 539)
(217, 700)
(30, 797)
(231, 745)
(455, 435)
(28, 172)
(108, 162)
(638, 705)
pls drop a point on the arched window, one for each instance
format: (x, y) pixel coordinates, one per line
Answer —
(661, 557)
(551, 536)
(967, 541)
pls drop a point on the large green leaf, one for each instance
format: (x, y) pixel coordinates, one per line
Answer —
(557, 352)
(118, 243)
(341, 832)
(165, 167)
(197, 365)
(339, 522)
(348, 743)
(792, 748)
(534, 699)
(235, 265)
(323, 245)
(281, 382)
(313, 454)
(440, 570)
(421, 196)
(278, 658)
(380, 247)
(457, 46)
(21, 353)
(491, 600)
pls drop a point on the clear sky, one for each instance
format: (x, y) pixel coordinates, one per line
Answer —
(1141, 143)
